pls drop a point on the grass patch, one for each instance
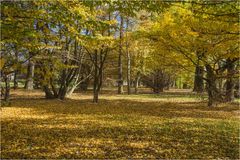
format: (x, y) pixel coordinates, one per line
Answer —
(135, 126)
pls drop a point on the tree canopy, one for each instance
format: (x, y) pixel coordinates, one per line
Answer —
(69, 42)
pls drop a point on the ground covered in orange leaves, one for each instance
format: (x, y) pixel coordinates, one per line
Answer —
(169, 125)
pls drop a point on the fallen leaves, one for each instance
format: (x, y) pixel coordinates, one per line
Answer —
(118, 128)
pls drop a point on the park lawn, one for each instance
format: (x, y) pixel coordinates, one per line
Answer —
(135, 126)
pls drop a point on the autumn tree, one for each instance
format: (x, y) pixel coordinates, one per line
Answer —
(19, 39)
(205, 39)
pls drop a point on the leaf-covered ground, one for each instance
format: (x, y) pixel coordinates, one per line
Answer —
(171, 125)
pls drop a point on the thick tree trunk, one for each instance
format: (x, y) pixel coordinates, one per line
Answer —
(120, 65)
(214, 96)
(30, 75)
(198, 80)
(230, 82)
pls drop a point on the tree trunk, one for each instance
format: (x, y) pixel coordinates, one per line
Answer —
(120, 66)
(174, 83)
(220, 84)
(71, 90)
(180, 83)
(237, 90)
(128, 64)
(15, 81)
(137, 83)
(230, 82)
(7, 89)
(214, 96)
(95, 93)
(198, 80)
(48, 93)
(30, 75)
(62, 93)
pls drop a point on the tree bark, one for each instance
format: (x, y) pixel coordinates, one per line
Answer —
(48, 92)
(15, 81)
(7, 88)
(198, 80)
(120, 66)
(136, 84)
(30, 75)
(214, 96)
(237, 90)
(95, 93)
(230, 82)
(128, 63)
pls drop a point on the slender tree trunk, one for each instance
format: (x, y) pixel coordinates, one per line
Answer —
(95, 93)
(30, 75)
(54, 90)
(174, 83)
(180, 83)
(137, 83)
(230, 82)
(15, 81)
(71, 90)
(95, 96)
(198, 80)
(128, 63)
(98, 67)
(120, 66)
(101, 71)
(7, 88)
(129, 76)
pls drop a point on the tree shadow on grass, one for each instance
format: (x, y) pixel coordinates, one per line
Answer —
(128, 107)
(59, 137)
(117, 128)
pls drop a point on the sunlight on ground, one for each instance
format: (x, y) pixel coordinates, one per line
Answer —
(135, 126)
